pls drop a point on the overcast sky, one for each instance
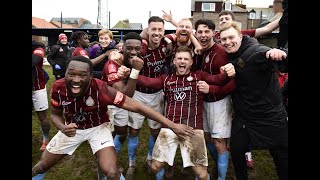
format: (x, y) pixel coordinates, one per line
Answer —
(137, 11)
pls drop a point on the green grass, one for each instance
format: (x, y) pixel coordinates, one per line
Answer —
(82, 164)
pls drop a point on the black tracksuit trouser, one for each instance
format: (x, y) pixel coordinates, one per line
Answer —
(239, 145)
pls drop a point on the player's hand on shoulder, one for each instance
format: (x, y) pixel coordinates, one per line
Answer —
(119, 46)
(169, 49)
(198, 50)
(116, 57)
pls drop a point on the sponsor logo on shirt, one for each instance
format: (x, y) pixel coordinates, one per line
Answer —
(64, 103)
(169, 83)
(179, 96)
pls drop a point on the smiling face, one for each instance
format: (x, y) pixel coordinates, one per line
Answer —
(155, 32)
(231, 38)
(84, 41)
(104, 40)
(184, 31)
(183, 61)
(205, 36)
(225, 19)
(131, 48)
(64, 40)
(78, 78)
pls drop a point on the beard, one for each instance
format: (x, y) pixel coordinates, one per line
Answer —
(183, 39)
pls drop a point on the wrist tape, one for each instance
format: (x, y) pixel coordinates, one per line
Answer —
(134, 73)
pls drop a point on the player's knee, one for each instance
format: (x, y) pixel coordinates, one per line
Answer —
(155, 168)
(39, 169)
(220, 143)
(111, 172)
(154, 132)
(134, 132)
(202, 175)
(121, 130)
(42, 115)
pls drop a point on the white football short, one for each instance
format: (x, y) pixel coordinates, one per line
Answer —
(217, 117)
(193, 149)
(98, 137)
(154, 101)
(40, 99)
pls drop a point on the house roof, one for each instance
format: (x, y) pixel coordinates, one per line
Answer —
(71, 19)
(58, 24)
(267, 13)
(237, 9)
(135, 25)
(41, 23)
(124, 24)
(89, 26)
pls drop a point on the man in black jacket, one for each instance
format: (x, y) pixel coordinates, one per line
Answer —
(260, 116)
(282, 38)
(57, 57)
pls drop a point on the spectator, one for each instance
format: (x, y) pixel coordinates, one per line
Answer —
(260, 117)
(57, 57)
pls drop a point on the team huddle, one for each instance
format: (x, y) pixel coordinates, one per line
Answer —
(199, 89)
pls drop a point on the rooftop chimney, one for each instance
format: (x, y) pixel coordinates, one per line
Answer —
(239, 4)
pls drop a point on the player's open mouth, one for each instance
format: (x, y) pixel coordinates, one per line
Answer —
(203, 41)
(183, 34)
(75, 89)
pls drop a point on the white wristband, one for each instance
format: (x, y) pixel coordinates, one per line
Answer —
(134, 74)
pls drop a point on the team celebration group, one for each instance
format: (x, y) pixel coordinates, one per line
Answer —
(204, 89)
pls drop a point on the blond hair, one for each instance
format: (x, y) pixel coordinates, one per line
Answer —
(227, 26)
(105, 31)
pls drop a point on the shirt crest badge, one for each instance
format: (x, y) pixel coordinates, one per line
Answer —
(190, 78)
(89, 101)
(164, 49)
(207, 59)
(241, 63)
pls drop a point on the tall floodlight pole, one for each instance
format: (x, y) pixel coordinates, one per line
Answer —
(99, 13)
(103, 13)
(61, 20)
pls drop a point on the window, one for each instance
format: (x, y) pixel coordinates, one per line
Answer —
(44, 39)
(252, 15)
(227, 5)
(208, 6)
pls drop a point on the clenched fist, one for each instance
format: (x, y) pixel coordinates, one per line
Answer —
(136, 63)
(229, 69)
(70, 129)
(123, 72)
